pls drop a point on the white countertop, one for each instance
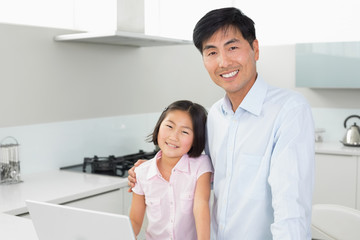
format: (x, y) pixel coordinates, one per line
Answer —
(54, 186)
(336, 148)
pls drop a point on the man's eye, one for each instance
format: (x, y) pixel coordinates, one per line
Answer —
(211, 53)
(233, 48)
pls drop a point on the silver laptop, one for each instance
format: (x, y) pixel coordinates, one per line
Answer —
(59, 222)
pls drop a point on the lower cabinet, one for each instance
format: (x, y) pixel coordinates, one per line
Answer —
(116, 201)
(127, 205)
(111, 202)
(336, 180)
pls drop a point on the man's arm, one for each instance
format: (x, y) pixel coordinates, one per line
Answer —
(291, 175)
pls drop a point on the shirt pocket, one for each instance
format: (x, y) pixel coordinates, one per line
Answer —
(186, 202)
(153, 208)
(253, 176)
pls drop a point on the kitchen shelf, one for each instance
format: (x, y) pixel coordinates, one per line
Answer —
(121, 38)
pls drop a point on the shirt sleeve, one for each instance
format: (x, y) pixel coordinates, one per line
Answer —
(138, 189)
(291, 175)
(205, 165)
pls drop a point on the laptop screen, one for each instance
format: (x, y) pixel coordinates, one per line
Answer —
(59, 222)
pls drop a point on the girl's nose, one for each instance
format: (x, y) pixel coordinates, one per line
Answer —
(174, 135)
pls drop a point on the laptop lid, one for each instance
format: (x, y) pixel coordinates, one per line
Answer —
(59, 222)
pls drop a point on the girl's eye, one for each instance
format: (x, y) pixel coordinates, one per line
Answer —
(169, 126)
(185, 132)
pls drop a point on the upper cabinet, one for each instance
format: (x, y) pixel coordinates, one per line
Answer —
(328, 65)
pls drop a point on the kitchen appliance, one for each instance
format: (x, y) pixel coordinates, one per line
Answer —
(130, 29)
(9, 161)
(111, 165)
(352, 135)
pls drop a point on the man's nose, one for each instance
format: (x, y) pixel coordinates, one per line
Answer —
(224, 60)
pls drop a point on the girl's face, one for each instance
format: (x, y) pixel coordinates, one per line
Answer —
(176, 135)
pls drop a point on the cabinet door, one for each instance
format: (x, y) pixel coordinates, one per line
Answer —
(318, 64)
(127, 205)
(358, 185)
(335, 180)
(111, 202)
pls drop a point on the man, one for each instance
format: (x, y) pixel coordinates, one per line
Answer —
(260, 139)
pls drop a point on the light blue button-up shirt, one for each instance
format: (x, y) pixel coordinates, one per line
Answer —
(263, 158)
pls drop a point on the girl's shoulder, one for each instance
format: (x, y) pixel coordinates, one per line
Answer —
(201, 158)
(144, 167)
(201, 162)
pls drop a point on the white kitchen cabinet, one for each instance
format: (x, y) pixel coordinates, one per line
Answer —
(318, 64)
(111, 202)
(114, 201)
(358, 185)
(127, 205)
(127, 198)
(336, 180)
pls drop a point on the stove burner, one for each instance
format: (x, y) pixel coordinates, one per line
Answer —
(115, 166)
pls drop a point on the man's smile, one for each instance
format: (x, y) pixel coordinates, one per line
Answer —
(230, 74)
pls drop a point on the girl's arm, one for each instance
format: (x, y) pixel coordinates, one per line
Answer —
(201, 206)
(137, 212)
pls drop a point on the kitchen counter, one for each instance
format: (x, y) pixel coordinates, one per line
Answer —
(336, 148)
(55, 187)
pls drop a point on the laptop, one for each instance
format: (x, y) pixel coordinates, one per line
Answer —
(59, 222)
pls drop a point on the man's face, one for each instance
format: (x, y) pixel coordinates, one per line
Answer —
(231, 61)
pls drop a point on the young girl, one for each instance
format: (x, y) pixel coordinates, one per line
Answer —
(174, 186)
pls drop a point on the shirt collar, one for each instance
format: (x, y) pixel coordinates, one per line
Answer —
(182, 165)
(253, 100)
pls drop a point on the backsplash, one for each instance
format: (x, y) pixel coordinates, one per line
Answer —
(332, 120)
(53, 145)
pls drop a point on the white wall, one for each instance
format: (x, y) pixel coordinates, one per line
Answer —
(47, 81)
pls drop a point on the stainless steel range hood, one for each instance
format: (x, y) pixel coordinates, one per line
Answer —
(130, 30)
(121, 38)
